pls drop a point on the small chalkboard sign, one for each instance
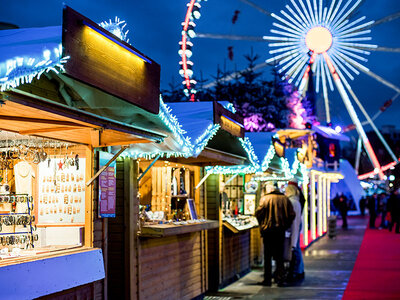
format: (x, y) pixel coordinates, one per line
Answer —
(192, 209)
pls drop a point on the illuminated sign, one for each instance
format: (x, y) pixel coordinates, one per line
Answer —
(229, 121)
(101, 59)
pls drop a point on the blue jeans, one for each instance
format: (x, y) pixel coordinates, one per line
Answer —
(298, 263)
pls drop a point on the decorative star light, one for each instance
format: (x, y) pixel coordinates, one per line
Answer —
(311, 34)
(116, 27)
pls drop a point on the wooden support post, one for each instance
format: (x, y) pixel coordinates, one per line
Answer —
(305, 214)
(131, 209)
(312, 210)
(328, 196)
(319, 207)
(324, 204)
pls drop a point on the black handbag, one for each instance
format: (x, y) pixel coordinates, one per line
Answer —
(287, 248)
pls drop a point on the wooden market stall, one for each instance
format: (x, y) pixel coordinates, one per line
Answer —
(55, 196)
(170, 253)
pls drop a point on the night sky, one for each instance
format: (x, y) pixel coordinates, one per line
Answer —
(155, 29)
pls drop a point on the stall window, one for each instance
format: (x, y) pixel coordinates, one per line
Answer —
(235, 194)
(42, 195)
(167, 192)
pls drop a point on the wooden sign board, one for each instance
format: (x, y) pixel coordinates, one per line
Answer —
(229, 121)
(101, 59)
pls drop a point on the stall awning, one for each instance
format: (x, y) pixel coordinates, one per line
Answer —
(330, 133)
(214, 143)
(27, 114)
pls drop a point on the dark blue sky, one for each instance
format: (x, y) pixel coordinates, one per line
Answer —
(155, 29)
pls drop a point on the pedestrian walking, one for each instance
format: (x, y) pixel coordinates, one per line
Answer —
(363, 204)
(393, 207)
(342, 206)
(373, 205)
(383, 209)
(296, 269)
(275, 215)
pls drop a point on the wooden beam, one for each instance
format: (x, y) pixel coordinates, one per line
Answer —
(51, 129)
(95, 137)
(37, 120)
(125, 143)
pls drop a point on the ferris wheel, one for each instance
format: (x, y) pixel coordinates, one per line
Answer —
(310, 36)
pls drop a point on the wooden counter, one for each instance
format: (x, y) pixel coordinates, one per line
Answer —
(163, 230)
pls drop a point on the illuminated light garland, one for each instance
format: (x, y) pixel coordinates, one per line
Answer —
(21, 70)
(271, 178)
(230, 170)
(116, 27)
(192, 14)
(268, 157)
(202, 141)
(173, 124)
(248, 146)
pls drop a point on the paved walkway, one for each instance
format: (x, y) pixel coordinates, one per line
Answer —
(328, 266)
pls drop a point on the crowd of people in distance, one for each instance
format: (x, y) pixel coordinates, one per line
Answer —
(279, 216)
(385, 205)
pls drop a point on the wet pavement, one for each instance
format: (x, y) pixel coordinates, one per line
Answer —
(328, 266)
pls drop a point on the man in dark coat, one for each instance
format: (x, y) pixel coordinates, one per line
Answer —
(275, 215)
(393, 207)
(373, 205)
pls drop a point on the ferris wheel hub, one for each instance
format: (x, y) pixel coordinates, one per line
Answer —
(319, 39)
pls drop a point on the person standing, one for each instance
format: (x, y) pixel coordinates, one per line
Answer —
(296, 272)
(362, 205)
(393, 207)
(275, 215)
(343, 208)
(373, 204)
(383, 209)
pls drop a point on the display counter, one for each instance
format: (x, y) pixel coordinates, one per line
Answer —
(240, 223)
(163, 230)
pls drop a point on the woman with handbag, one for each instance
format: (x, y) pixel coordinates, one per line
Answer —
(296, 269)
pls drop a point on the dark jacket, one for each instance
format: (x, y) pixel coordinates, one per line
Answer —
(275, 212)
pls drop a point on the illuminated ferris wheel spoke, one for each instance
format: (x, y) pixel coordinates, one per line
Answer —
(300, 26)
(339, 18)
(353, 116)
(333, 15)
(295, 69)
(285, 22)
(325, 92)
(389, 18)
(230, 37)
(283, 44)
(343, 51)
(308, 17)
(300, 13)
(296, 32)
(380, 111)
(282, 49)
(385, 49)
(310, 10)
(318, 71)
(379, 79)
(328, 76)
(352, 61)
(330, 11)
(345, 26)
(290, 60)
(354, 29)
(342, 67)
(300, 22)
(320, 11)
(366, 115)
(285, 33)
